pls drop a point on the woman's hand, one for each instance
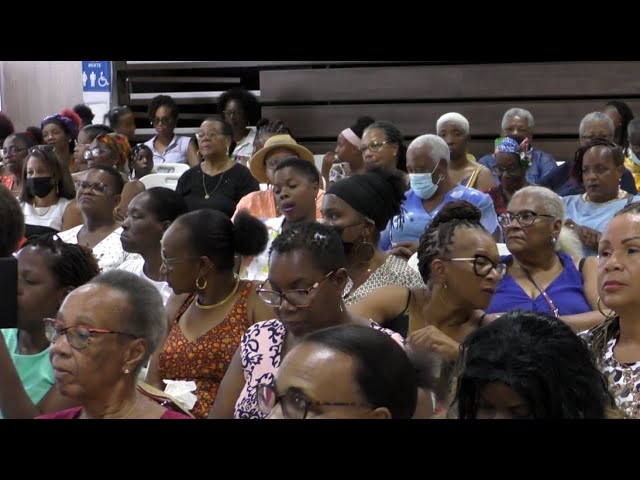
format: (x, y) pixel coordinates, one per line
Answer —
(434, 340)
(404, 249)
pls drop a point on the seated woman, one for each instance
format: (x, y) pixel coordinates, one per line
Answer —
(461, 268)
(598, 167)
(86, 136)
(431, 189)
(615, 342)
(359, 207)
(453, 128)
(205, 329)
(530, 365)
(48, 197)
(346, 159)
(113, 150)
(61, 131)
(217, 182)
(167, 147)
(111, 326)
(48, 269)
(240, 108)
(123, 121)
(140, 162)
(307, 268)
(344, 372)
(262, 204)
(543, 272)
(150, 215)
(15, 151)
(511, 165)
(98, 194)
(296, 188)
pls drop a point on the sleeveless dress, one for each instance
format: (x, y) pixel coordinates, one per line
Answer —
(566, 292)
(206, 359)
(261, 357)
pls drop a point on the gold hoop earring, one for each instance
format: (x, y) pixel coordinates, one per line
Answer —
(201, 287)
(611, 313)
(364, 251)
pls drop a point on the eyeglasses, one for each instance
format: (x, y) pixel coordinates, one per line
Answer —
(41, 148)
(232, 113)
(373, 146)
(210, 135)
(524, 218)
(97, 188)
(163, 120)
(295, 405)
(6, 152)
(299, 298)
(78, 336)
(498, 170)
(168, 263)
(482, 266)
(95, 152)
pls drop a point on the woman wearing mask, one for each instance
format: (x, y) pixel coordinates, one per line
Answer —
(48, 199)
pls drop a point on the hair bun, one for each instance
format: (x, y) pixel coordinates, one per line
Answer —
(458, 210)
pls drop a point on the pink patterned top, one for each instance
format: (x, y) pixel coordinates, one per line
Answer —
(261, 354)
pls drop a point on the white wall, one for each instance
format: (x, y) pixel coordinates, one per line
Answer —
(32, 90)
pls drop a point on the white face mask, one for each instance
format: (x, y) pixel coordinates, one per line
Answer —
(635, 159)
(422, 183)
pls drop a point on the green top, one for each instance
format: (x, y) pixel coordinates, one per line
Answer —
(35, 371)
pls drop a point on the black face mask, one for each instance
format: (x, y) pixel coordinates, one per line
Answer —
(347, 246)
(40, 186)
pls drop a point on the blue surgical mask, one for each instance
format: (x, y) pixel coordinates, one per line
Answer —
(635, 159)
(422, 184)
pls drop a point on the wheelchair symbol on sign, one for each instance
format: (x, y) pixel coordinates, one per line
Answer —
(102, 81)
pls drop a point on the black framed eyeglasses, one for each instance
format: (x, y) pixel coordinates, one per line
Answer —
(78, 336)
(295, 405)
(163, 120)
(98, 188)
(524, 218)
(482, 266)
(373, 146)
(499, 170)
(6, 152)
(299, 298)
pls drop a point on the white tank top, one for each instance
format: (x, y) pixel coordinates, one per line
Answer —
(45, 217)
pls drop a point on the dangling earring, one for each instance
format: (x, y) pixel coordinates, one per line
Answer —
(554, 240)
(445, 285)
(611, 313)
(364, 251)
(126, 371)
(201, 287)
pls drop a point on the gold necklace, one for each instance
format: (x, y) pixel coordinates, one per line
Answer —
(36, 211)
(221, 302)
(204, 187)
(621, 194)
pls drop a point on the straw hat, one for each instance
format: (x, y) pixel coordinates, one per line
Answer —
(257, 163)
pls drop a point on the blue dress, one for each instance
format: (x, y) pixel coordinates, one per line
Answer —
(566, 291)
(416, 219)
(541, 164)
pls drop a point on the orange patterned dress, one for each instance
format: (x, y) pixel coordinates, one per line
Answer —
(205, 360)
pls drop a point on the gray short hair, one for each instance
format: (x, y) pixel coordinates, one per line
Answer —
(147, 316)
(456, 119)
(433, 145)
(567, 242)
(518, 112)
(596, 117)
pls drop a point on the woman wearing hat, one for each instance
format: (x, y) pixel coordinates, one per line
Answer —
(263, 164)
(218, 182)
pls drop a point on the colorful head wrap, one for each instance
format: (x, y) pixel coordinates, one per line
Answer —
(119, 143)
(510, 145)
(66, 123)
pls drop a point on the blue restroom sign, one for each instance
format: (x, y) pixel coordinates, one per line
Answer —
(96, 76)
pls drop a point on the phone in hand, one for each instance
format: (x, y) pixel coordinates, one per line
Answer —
(339, 171)
(9, 292)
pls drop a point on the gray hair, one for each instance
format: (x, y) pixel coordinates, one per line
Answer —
(147, 317)
(567, 242)
(518, 112)
(433, 145)
(454, 118)
(596, 117)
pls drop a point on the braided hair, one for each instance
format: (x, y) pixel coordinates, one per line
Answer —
(437, 239)
(392, 135)
(74, 265)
